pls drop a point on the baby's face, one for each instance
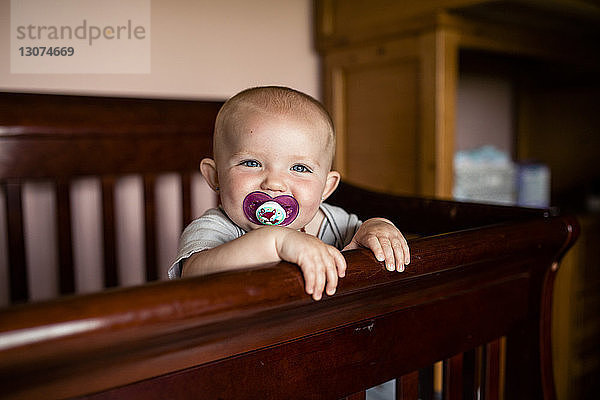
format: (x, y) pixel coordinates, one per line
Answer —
(275, 155)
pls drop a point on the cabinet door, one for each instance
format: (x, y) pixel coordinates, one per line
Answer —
(393, 107)
(373, 94)
(381, 126)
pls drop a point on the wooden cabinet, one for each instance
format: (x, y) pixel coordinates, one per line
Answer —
(390, 72)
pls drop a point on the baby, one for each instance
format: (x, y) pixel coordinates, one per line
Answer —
(273, 151)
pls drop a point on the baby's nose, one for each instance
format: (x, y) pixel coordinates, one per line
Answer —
(274, 182)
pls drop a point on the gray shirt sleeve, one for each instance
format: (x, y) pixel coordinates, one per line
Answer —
(212, 229)
(339, 226)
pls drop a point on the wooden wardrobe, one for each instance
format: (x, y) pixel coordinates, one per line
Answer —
(390, 74)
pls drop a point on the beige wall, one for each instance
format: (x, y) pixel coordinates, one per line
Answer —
(200, 49)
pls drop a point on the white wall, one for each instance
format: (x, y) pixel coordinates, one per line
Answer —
(199, 49)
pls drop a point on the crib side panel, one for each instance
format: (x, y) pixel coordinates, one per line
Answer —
(59, 141)
(258, 327)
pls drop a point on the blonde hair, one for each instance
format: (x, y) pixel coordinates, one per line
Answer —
(276, 100)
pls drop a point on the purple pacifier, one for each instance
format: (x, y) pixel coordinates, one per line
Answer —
(262, 209)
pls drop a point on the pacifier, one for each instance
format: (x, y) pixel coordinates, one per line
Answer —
(262, 209)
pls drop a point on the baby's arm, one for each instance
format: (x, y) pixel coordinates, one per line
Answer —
(385, 241)
(321, 264)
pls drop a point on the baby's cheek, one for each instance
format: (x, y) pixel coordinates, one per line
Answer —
(312, 194)
(233, 209)
(308, 209)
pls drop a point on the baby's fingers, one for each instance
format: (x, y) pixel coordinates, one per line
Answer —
(402, 250)
(317, 272)
(383, 251)
(332, 279)
(319, 283)
(400, 254)
(393, 251)
(340, 261)
(372, 243)
(335, 269)
(309, 279)
(391, 261)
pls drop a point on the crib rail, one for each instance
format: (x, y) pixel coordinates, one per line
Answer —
(256, 334)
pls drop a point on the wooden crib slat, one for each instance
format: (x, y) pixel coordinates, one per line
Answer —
(407, 387)
(111, 276)
(65, 246)
(470, 367)
(17, 261)
(426, 383)
(479, 371)
(186, 198)
(150, 228)
(453, 377)
(492, 370)
(502, 369)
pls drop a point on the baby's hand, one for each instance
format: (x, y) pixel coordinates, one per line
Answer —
(385, 241)
(320, 263)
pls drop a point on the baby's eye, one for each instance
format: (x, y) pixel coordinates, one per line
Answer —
(250, 163)
(300, 168)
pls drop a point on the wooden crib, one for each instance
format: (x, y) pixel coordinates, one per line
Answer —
(477, 295)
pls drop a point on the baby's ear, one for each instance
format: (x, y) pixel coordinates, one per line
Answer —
(333, 180)
(208, 168)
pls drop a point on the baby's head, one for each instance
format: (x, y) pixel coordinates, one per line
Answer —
(274, 102)
(280, 143)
